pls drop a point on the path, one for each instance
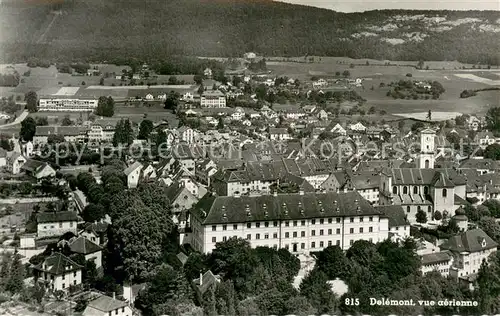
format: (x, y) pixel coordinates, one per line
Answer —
(42, 37)
(18, 120)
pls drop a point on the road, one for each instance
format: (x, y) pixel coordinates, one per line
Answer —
(18, 120)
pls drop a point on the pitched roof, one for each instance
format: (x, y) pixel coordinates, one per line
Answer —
(57, 264)
(395, 214)
(207, 279)
(228, 209)
(83, 245)
(470, 241)
(438, 257)
(132, 167)
(106, 304)
(54, 217)
(479, 164)
(423, 176)
(60, 130)
(34, 166)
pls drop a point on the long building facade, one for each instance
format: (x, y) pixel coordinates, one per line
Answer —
(67, 104)
(300, 222)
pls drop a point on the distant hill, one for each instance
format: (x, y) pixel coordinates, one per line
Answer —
(152, 29)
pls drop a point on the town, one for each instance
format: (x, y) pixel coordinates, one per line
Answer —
(243, 192)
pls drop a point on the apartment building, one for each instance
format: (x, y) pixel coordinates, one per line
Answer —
(67, 104)
(300, 222)
(213, 99)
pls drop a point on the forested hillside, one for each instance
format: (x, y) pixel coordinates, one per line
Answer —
(152, 29)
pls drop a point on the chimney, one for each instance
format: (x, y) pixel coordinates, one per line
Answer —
(201, 278)
(114, 295)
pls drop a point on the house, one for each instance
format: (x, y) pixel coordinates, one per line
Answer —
(250, 56)
(56, 223)
(441, 262)
(213, 99)
(71, 134)
(186, 134)
(358, 127)
(90, 250)
(279, 134)
(101, 132)
(469, 249)
(474, 123)
(149, 97)
(188, 97)
(96, 232)
(133, 173)
(149, 172)
(130, 291)
(300, 222)
(58, 272)
(3, 157)
(320, 83)
(338, 130)
(38, 169)
(27, 149)
(180, 197)
(205, 281)
(14, 162)
(366, 183)
(399, 226)
(322, 115)
(107, 306)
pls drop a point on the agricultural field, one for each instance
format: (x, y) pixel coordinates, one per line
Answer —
(377, 76)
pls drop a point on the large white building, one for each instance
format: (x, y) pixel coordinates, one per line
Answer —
(213, 99)
(56, 223)
(59, 272)
(67, 104)
(301, 222)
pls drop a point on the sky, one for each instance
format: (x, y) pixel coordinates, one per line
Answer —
(366, 5)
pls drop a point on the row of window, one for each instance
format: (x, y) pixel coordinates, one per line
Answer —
(295, 223)
(60, 225)
(302, 234)
(444, 192)
(429, 209)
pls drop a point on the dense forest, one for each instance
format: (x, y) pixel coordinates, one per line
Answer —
(97, 30)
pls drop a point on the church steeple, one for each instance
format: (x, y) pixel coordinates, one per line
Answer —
(427, 150)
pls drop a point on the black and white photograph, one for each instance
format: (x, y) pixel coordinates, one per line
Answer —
(249, 157)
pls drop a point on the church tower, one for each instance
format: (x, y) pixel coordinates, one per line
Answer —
(426, 156)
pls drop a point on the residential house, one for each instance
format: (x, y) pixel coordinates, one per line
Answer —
(300, 222)
(71, 134)
(322, 115)
(96, 232)
(358, 127)
(483, 166)
(207, 73)
(474, 123)
(107, 306)
(180, 197)
(3, 157)
(399, 226)
(14, 162)
(38, 169)
(205, 281)
(186, 134)
(130, 291)
(441, 262)
(149, 172)
(58, 272)
(90, 250)
(213, 99)
(101, 132)
(279, 134)
(133, 173)
(367, 183)
(338, 130)
(485, 138)
(56, 223)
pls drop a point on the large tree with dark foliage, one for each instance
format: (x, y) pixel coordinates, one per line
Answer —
(31, 99)
(28, 129)
(105, 107)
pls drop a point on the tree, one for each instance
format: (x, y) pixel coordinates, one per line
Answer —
(316, 289)
(66, 121)
(198, 79)
(429, 115)
(31, 99)
(123, 133)
(492, 151)
(201, 89)
(93, 212)
(333, 263)
(145, 129)
(172, 101)
(220, 124)
(488, 291)
(172, 80)
(28, 129)
(493, 119)
(101, 82)
(83, 83)
(42, 121)
(346, 73)
(15, 282)
(437, 215)
(416, 126)
(105, 107)
(491, 227)
(420, 64)
(421, 217)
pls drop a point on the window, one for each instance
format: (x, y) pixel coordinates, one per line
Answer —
(295, 223)
(337, 242)
(338, 231)
(214, 228)
(405, 190)
(235, 226)
(74, 274)
(70, 224)
(415, 190)
(361, 230)
(408, 209)
(63, 285)
(321, 244)
(370, 229)
(257, 236)
(330, 220)
(338, 219)
(224, 238)
(351, 230)
(329, 243)
(313, 232)
(249, 236)
(361, 219)
(445, 192)
(275, 235)
(249, 225)
(214, 239)
(429, 209)
(302, 246)
(313, 244)
(294, 234)
(64, 277)
(287, 235)
(426, 190)
(321, 232)
(275, 223)
(266, 224)
(351, 242)
(257, 225)
(370, 218)
(313, 221)
(330, 231)
(302, 223)
(60, 225)
(266, 236)
(370, 239)
(302, 234)
(394, 190)
(351, 219)
(224, 227)
(287, 223)
(321, 221)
